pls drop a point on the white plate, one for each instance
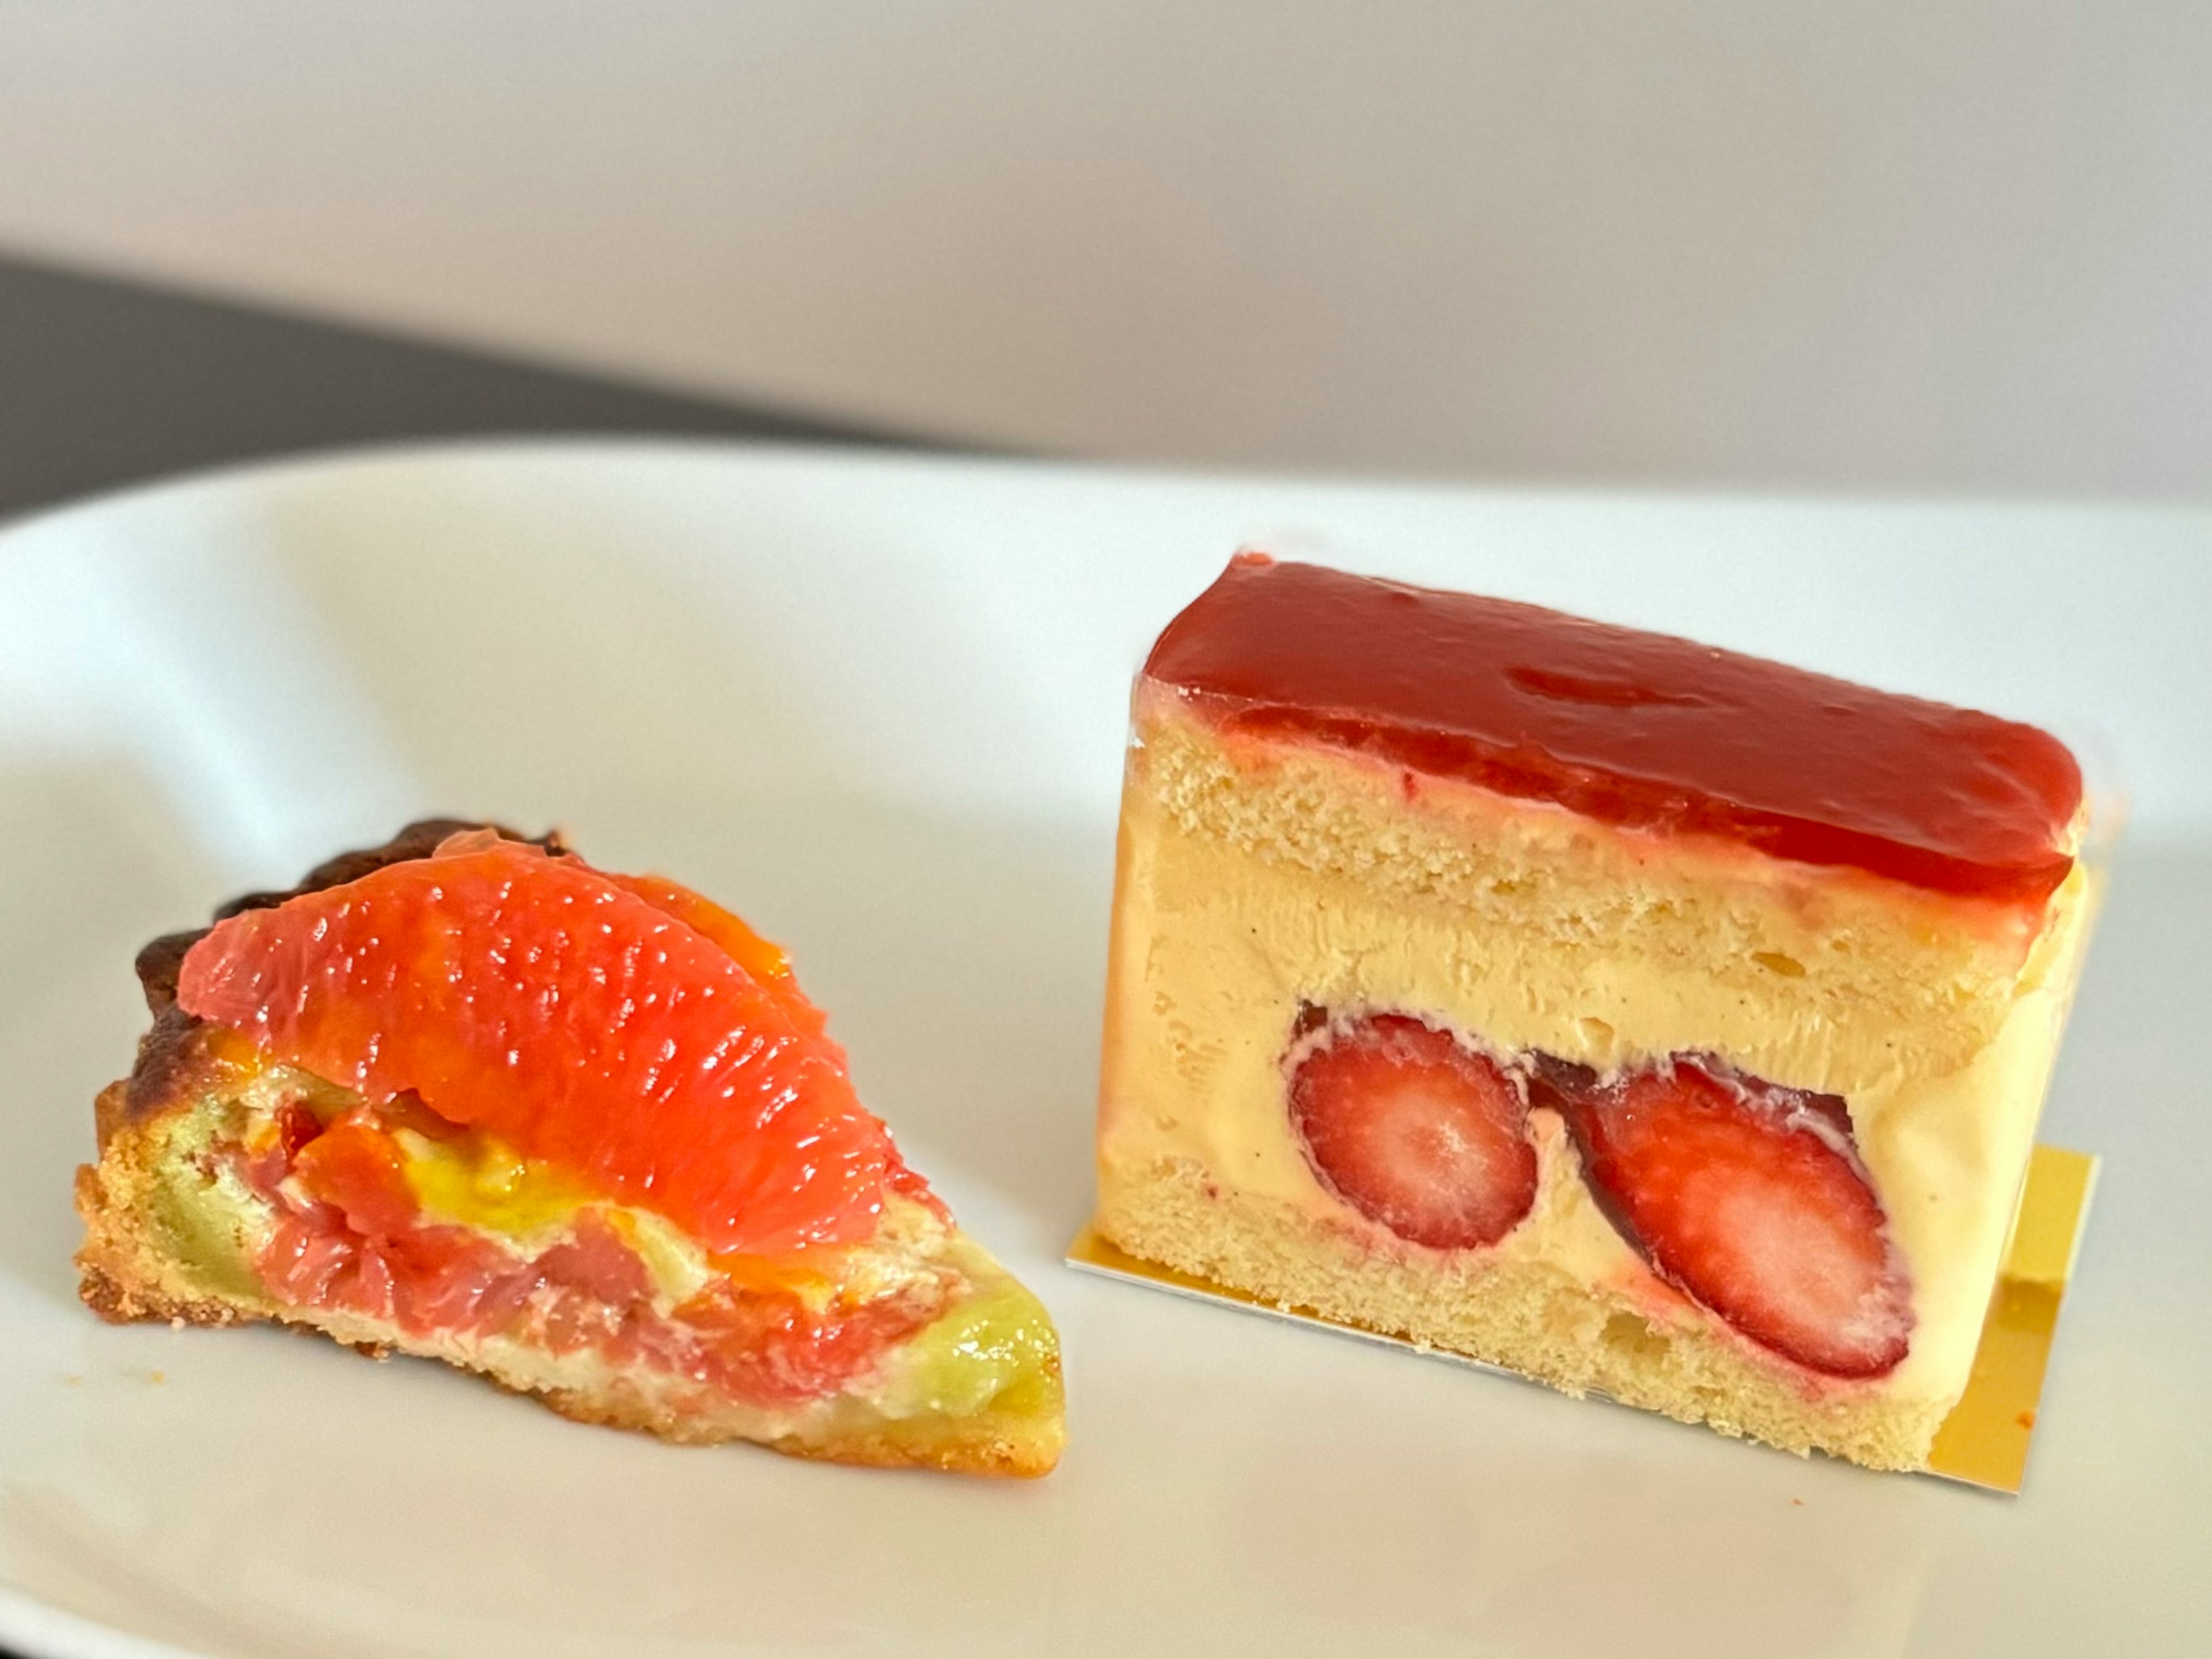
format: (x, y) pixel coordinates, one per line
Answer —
(877, 704)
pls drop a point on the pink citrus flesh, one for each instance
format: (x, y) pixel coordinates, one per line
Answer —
(623, 1029)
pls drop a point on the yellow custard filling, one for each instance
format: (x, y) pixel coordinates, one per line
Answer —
(484, 1184)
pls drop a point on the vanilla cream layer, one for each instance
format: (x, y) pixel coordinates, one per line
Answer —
(1224, 926)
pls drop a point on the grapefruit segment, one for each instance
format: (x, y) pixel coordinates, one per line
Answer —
(627, 1030)
(764, 960)
(355, 1167)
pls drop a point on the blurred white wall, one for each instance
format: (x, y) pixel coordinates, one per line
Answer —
(1896, 245)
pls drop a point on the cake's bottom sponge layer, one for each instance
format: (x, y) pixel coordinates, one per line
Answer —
(1521, 1313)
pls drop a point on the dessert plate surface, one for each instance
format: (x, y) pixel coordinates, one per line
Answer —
(877, 703)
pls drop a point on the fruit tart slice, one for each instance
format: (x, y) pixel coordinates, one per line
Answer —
(466, 1097)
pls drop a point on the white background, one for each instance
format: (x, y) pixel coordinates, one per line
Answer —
(1903, 246)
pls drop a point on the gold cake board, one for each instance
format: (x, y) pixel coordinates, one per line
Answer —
(1985, 1441)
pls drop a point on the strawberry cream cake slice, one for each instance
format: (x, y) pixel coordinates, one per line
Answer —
(465, 1096)
(1646, 1018)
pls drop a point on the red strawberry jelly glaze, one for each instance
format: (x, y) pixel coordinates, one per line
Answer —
(579, 1022)
(1640, 730)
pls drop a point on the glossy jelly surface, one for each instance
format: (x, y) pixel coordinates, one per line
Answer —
(608, 1027)
(1646, 731)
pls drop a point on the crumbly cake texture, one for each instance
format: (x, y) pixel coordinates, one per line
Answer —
(168, 1239)
(1262, 874)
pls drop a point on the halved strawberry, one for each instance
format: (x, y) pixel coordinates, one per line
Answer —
(1750, 1198)
(1416, 1131)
